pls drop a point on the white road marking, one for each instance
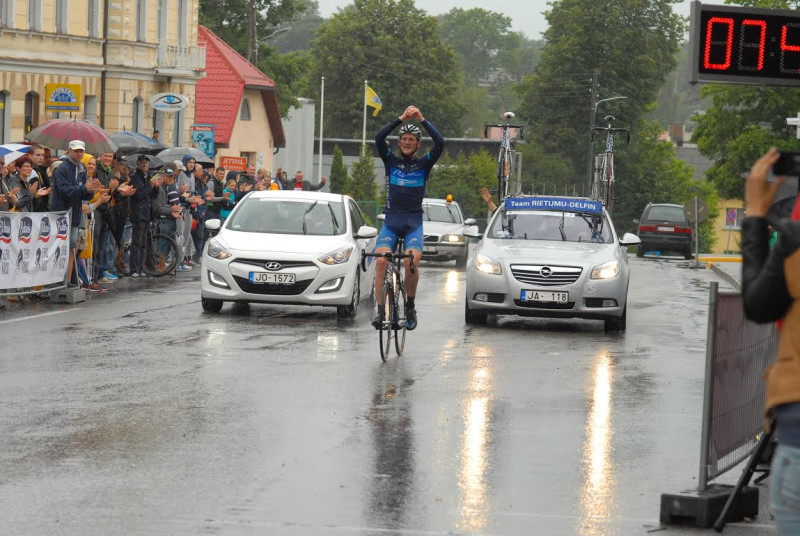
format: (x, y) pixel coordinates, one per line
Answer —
(39, 316)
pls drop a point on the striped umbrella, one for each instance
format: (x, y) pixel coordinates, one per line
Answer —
(57, 133)
(12, 151)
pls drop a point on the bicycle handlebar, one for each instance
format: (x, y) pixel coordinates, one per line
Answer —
(505, 126)
(386, 255)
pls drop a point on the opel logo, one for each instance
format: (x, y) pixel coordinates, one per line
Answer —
(546, 271)
(273, 266)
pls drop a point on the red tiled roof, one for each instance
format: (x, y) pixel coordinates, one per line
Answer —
(219, 94)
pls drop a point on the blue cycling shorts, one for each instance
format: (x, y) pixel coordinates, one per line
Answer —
(409, 226)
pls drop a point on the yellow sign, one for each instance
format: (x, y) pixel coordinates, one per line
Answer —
(63, 97)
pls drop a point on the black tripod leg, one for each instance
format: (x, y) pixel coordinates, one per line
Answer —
(747, 474)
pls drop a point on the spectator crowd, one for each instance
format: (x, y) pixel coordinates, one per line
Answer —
(113, 201)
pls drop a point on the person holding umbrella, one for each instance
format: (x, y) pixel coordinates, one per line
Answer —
(70, 188)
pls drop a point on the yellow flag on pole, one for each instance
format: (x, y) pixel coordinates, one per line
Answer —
(373, 101)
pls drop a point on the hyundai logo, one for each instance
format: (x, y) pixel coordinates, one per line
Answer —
(546, 271)
(273, 266)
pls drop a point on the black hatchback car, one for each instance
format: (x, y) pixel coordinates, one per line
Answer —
(664, 227)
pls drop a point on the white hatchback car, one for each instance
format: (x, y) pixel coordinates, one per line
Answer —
(552, 257)
(443, 228)
(289, 247)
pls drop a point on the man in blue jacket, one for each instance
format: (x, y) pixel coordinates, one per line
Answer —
(406, 181)
(70, 188)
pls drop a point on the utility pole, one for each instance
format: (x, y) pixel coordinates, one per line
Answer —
(592, 111)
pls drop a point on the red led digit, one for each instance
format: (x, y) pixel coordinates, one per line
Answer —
(752, 44)
(727, 21)
(788, 48)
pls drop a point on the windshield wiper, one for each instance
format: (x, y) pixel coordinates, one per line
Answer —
(335, 221)
(561, 228)
(452, 217)
(309, 209)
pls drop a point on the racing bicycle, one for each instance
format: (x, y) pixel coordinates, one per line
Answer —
(505, 164)
(394, 300)
(603, 181)
(161, 255)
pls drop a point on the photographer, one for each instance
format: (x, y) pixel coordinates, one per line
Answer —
(770, 282)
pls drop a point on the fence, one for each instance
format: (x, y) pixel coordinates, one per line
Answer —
(738, 352)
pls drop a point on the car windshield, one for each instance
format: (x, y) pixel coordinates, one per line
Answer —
(550, 225)
(441, 212)
(281, 216)
(664, 213)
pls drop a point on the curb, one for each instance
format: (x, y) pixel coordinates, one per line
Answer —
(726, 276)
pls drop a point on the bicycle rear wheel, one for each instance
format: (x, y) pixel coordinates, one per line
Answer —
(161, 255)
(502, 176)
(385, 333)
(400, 324)
(608, 182)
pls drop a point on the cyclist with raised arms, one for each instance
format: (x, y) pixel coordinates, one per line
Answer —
(406, 179)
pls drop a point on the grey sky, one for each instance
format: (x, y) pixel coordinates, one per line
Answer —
(526, 15)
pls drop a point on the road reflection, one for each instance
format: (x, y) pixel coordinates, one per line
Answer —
(327, 346)
(597, 495)
(476, 442)
(393, 473)
(451, 291)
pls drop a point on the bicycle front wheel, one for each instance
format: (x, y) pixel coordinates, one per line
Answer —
(400, 324)
(161, 256)
(385, 333)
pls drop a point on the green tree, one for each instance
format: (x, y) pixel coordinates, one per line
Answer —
(340, 182)
(463, 178)
(631, 44)
(301, 29)
(394, 46)
(478, 37)
(262, 17)
(362, 181)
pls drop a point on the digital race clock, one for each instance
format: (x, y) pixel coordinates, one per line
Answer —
(744, 45)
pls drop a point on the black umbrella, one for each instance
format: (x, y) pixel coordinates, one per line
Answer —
(129, 142)
(155, 162)
(177, 153)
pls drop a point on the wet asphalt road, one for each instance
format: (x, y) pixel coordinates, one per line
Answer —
(137, 413)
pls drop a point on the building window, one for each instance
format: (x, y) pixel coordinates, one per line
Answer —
(62, 16)
(7, 13)
(158, 122)
(138, 114)
(5, 117)
(93, 13)
(183, 22)
(163, 9)
(90, 108)
(31, 111)
(35, 15)
(245, 113)
(141, 20)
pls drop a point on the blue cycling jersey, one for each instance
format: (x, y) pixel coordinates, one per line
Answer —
(406, 177)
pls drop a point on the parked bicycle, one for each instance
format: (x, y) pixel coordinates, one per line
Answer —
(505, 163)
(603, 182)
(394, 301)
(161, 252)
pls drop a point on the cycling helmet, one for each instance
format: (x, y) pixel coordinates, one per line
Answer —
(409, 129)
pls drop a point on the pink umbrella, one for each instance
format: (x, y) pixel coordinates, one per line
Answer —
(57, 133)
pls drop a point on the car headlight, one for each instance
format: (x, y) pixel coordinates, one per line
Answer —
(487, 265)
(216, 251)
(339, 256)
(606, 270)
(452, 238)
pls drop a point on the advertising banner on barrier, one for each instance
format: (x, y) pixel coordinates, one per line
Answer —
(33, 249)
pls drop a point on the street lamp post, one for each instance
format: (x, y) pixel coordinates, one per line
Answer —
(590, 166)
(261, 41)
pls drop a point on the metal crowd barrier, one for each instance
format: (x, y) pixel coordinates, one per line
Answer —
(738, 353)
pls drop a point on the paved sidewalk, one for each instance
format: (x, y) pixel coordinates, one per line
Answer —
(727, 267)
